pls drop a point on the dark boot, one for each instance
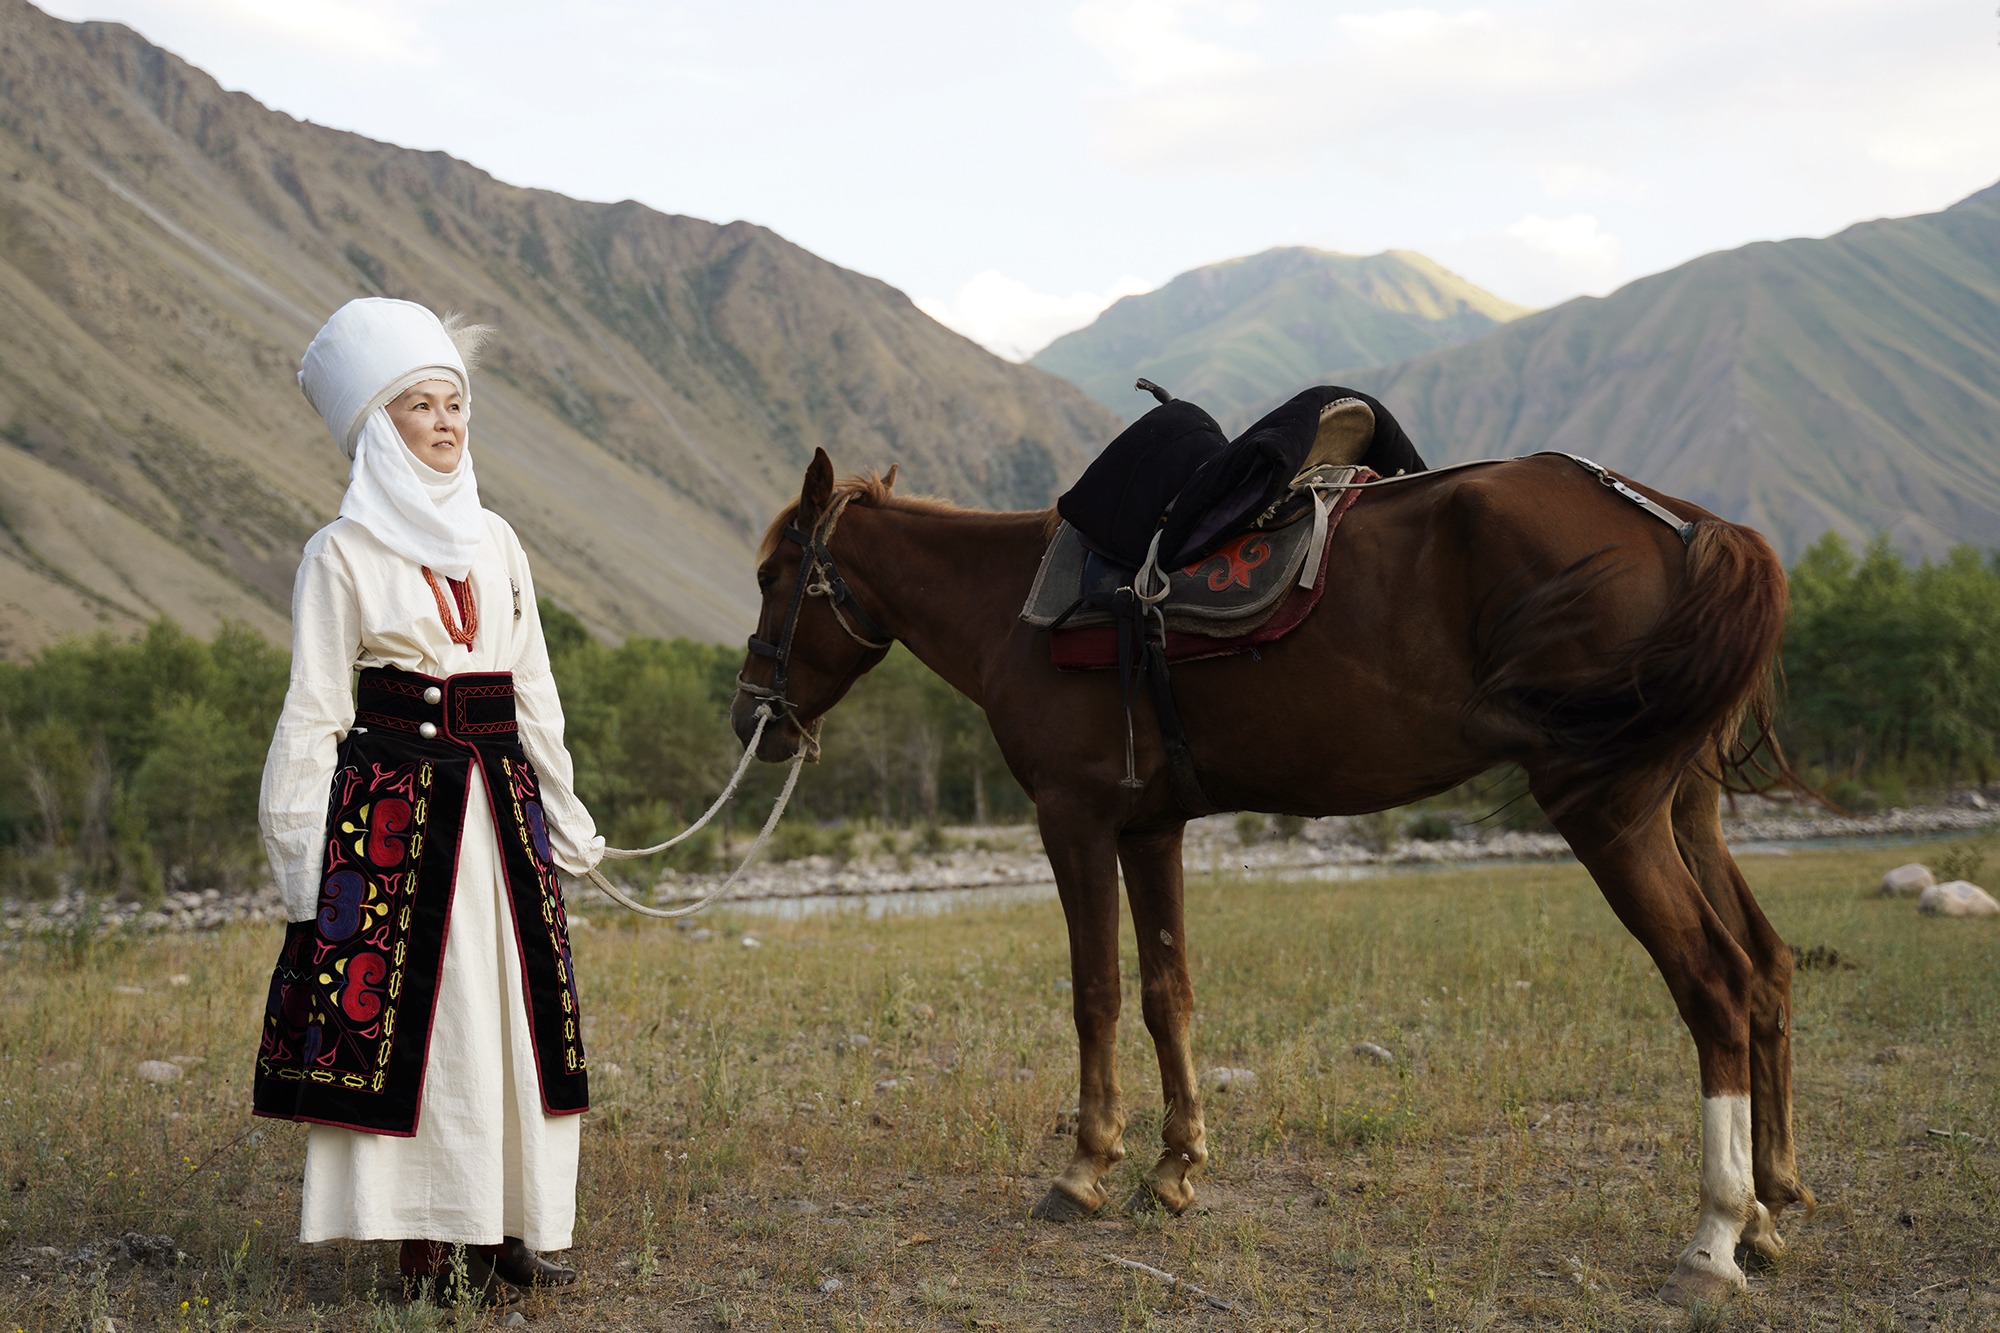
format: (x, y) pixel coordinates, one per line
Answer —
(518, 1264)
(427, 1274)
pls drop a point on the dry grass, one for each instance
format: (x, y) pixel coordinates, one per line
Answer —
(1529, 1160)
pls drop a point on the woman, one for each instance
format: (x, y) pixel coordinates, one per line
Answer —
(422, 1016)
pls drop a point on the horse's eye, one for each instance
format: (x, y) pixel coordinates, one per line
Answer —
(765, 578)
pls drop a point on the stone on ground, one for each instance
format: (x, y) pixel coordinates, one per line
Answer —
(1907, 881)
(145, 1249)
(1228, 1080)
(159, 1071)
(1957, 898)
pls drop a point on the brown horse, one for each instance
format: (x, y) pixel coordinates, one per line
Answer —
(1518, 612)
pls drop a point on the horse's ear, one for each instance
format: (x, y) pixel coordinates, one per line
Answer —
(817, 493)
(889, 478)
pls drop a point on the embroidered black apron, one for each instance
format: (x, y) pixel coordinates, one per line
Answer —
(347, 1026)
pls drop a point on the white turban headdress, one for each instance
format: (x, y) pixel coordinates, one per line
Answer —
(368, 353)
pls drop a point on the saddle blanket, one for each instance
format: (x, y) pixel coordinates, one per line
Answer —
(1246, 593)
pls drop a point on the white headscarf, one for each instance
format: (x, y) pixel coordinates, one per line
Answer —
(368, 353)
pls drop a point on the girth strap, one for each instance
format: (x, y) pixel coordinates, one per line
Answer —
(1181, 771)
(1141, 654)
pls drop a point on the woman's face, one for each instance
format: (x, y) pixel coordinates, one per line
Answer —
(431, 419)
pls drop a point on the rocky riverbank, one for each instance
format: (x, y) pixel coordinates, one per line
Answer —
(976, 858)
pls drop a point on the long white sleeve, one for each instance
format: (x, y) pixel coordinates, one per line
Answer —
(574, 842)
(319, 709)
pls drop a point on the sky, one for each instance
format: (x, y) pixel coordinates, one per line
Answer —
(1015, 168)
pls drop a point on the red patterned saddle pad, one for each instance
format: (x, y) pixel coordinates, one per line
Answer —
(1095, 647)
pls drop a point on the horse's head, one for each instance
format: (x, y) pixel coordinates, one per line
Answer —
(813, 639)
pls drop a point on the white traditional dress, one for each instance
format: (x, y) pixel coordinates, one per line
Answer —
(479, 1156)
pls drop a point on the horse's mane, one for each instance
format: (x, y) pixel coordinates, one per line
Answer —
(874, 490)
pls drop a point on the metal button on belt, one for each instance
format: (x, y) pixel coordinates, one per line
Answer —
(427, 730)
(433, 695)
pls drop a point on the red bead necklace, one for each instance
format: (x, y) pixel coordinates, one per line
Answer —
(467, 623)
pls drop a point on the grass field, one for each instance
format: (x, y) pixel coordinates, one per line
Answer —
(877, 1103)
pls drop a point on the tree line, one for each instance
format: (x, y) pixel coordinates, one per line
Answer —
(1892, 671)
(133, 766)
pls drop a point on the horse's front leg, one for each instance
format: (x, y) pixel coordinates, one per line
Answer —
(1082, 852)
(1152, 864)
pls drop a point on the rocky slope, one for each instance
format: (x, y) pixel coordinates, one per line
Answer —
(1850, 383)
(655, 390)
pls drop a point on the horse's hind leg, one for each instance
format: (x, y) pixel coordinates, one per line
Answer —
(1774, 1164)
(1152, 864)
(1083, 854)
(1630, 852)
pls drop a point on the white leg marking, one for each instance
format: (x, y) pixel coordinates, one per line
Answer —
(1728, 1196)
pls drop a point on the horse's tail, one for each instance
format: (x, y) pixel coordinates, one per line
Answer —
(1677, 697)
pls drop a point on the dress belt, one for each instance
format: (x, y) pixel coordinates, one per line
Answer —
(470, 707)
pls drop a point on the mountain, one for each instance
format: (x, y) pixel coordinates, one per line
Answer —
(1850, 383)
(1241, 336)
(656, 387)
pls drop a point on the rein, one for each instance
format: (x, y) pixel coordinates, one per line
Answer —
(818, 577)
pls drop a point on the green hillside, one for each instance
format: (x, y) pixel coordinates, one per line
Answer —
(1242, 335)
(655, 389)
(1850, 383)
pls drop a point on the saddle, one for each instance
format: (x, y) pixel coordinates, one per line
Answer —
(1223, 597)
(1176, 544)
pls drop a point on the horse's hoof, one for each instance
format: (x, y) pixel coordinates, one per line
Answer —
(1690, 1287)
(1752, 1259)
(1145, 1199)
(1055, 1206)
(1760, 1246)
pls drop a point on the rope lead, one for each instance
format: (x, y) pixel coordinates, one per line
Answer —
(764, 716)
(618, 895)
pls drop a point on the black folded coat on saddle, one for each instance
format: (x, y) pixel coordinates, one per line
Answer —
(1116, 504)
(1173, 472)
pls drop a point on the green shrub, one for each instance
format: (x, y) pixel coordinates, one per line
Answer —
(797, 839)
(1431, 826)
(1965, 859)
(1850, 794)
(1376, 831)
(123, 764)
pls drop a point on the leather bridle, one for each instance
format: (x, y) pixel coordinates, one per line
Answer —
(819, 576)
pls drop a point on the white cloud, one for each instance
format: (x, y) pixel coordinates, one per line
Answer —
(1011, 319)
(1570, 179)
(1574, 237)
(1145, 40)
(1433, 125)
(1538, 260)
(382, 30)
(1308, 84)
